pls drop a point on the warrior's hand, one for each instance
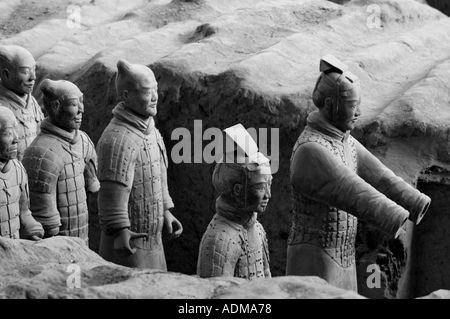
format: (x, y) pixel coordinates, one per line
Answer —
(122, 242)
(51, 232)
(172, 224)
(35, 238)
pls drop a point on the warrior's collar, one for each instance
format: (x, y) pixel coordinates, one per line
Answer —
(23, 103)
(145, 125)
(235, 215)
(318, 122)
(48, 127)
(5, 168)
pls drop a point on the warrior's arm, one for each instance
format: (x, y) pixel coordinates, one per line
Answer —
(43, 169)
(91, 164)
(394, 187)
(266, 253)
(164, 164)
(39, 115)
(37, 109)
(28, 225)
(218, 255)
(113, 200)
(317, 174)
(173, 225)
(167, 200)
(116, 163)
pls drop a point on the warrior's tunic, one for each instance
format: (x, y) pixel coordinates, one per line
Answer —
(61, 166)
(132, 156)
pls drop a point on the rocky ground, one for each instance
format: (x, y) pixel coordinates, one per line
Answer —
(255, 62)
(64, 268)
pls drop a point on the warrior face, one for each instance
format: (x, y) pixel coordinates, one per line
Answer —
(257, 192)
(348, 111)
(8, 135)
(63, 101)
(142, 100)
(70, 114)
(21, 75)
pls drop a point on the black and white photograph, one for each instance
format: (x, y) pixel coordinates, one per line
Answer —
(226, 156)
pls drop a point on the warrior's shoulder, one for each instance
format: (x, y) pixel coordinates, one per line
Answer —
(117, 134)
(44, 146)
(117, 150)
(224, 230)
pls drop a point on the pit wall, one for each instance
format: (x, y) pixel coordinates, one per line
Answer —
(427, 269)
(441, 5)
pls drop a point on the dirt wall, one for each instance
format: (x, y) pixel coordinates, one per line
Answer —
(432, 243)
(441, 5)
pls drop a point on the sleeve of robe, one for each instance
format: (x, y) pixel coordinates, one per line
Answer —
(43, 168)
(116, 177)
(394, 187)
(167, 200)
(92, 184)
(219, 252)
(318, 174)
(28, 225)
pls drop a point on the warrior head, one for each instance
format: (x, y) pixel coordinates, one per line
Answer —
(9, 139)
(17, 69)
(137, 88)
(63, 101)
(337, 93)
(243, 176)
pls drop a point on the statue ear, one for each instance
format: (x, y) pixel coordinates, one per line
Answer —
(55, 106)
(237, 189)
(5, 73)
(328, 106)
(126, 95)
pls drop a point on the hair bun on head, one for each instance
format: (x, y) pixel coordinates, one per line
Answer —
(129, 74)
(12, 54)
(123, 66)
(48, 88)
(54, 90)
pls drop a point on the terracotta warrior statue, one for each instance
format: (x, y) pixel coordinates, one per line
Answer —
(235, 243)
(335, 181)
(16, 220)
(18, 75)
(61, 164)
(134, 202)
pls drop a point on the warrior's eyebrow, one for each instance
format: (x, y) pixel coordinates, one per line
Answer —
(27, 66)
